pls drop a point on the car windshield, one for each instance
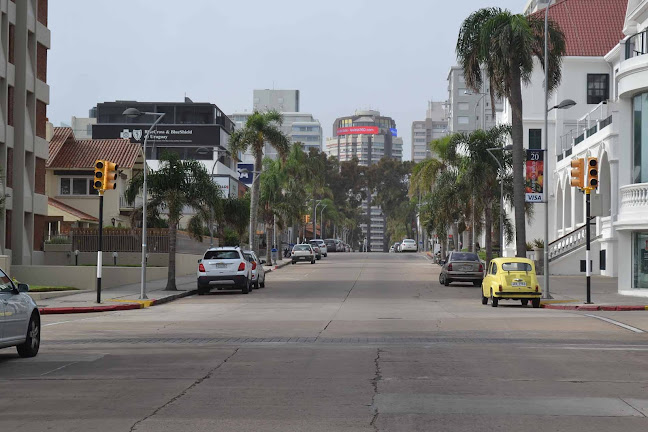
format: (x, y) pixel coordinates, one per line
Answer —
(222, 255)
(464, 256)
(516, 266)
(5, 283)
(408, 241)
(248, 257)
(302, 248)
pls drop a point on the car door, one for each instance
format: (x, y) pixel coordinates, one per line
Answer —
(16, 310)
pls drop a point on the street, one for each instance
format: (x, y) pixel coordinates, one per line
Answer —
(356, 342)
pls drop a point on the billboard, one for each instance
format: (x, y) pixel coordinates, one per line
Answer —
(245, 173)
(169, 135)
(394, 132)
(534, 177)
(227, 186)
(358, 130)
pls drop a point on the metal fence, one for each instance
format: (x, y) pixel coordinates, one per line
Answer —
(119, 240)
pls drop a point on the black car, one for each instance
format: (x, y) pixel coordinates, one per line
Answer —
(331, 246)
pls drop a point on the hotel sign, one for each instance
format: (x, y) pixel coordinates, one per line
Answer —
(359, 130)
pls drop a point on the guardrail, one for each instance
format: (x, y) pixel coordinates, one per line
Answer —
(636, 45)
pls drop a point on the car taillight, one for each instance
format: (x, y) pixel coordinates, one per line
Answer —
(500, 288)
(481, 268)
(292, 253)
(241, 266)
(254, 265)
(536, 288)
(201, 268)
(449, 267)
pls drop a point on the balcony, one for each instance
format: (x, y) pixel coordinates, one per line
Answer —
(636, 45)
(587, 126)
(125, 205)
(634, 206)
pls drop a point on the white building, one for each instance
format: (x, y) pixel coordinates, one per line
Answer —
(433, 127)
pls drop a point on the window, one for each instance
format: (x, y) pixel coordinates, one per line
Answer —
(41, 62)
(517, 267)
(6, 286)
(535, 139)
(12, 37)
(463, 106)
(598, 88)
(80, 186)
(640, 136)
(640, 260)
(464, 256)
(419, 134)
(461, 90)
(494, 269)
(463, 120)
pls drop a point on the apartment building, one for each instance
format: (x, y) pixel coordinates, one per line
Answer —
(24, 96)
(425, 131)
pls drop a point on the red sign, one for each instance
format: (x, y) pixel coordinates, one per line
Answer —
(357, 130)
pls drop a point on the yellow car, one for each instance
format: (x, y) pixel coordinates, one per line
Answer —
(511, 279)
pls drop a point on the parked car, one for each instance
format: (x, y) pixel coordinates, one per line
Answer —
(316, 249)
(511, 279)
(331, 246)
(258, 272)
(347, 248)
(303, 252)
(225, 266)
(322, 246)
(461, 267)
(408, 245)
(20, 325)
(396, 247)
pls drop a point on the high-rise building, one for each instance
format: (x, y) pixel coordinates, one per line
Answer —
(534, 6)
(468, 110)
(24, 96)
(298, 126)
(433, 127)
(369, 137)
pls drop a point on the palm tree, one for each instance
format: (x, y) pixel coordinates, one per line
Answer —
(260, 128)
(505, 44)
(175, 185)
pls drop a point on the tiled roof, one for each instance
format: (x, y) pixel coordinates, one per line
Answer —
(82, 154)
(61, 135)
(591, 27)
(71, 210)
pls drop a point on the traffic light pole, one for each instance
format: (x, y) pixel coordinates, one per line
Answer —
(99, 251)
(588, 270)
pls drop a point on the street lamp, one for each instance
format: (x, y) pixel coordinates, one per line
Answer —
(135, 113)
(321, 219)
(490, 150)
(255, 176)
(315, 218)
(203, 151)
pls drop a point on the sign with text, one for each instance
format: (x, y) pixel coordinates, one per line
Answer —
(394, 131)
(164, 134)
(358, 130)
(534, 177)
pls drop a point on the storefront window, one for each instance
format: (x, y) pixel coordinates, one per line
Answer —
(640, 260)
(640, 132)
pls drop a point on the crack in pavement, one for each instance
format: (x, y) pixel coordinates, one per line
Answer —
(184, 392)
(374, 383)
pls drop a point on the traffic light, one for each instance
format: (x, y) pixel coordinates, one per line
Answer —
(592, 172)
(110, 176)
(307, 218)
(577, 168)
(99, 174)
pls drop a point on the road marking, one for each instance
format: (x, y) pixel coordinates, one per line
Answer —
(616, 323)
(69, 321)
(58, 368)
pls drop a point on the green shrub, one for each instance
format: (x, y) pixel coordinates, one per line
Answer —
(59, 240)
(539, 243)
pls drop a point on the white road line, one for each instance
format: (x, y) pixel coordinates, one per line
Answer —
(58, 368)
(617, 323)
(80, 319)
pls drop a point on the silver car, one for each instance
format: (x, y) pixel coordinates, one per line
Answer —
(258, 272)
(461, 267)
(20, 324)
(303, 252)
(321, 245)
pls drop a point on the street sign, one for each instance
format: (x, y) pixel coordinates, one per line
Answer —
(534, 178)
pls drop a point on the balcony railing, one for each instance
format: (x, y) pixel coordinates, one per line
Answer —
(636, 45)
(586, 127)
(569, 242)
(634, 197)
(124, 204)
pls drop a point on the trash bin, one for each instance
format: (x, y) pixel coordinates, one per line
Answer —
(273, 254)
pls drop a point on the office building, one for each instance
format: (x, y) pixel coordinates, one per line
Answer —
(24, 96)
(468, 110)
(280, 100)
(425, 131)
(368, 136)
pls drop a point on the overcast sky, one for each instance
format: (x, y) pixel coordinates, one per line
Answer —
(342, 55)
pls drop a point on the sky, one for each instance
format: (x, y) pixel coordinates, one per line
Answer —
(342, 55)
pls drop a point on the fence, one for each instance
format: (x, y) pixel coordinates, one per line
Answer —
(119, 240)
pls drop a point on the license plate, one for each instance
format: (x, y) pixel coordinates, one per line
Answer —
(220, 265)
(466, 268)
(518, 284)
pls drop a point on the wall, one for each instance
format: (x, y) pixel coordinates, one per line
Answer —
(5, 263)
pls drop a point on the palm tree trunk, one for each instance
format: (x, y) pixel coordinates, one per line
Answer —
(517, 133)
(254, 199)
(269, 243)
(173, 232)
(488, 221)
(455, 236)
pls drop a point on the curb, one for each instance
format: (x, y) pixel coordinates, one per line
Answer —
(591, 308)
(173, 297)
(277, 267)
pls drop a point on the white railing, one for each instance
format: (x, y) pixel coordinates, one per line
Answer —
(633, 196)
(569, 242)
(124, 204)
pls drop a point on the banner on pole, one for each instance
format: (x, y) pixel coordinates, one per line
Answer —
(534, 177)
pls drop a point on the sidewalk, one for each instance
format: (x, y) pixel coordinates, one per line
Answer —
(569, 292)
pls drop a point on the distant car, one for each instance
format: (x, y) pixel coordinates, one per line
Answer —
(462, 267)
(322, 246)
(331, 246)
(224, 266)
(339, 246)
(258, 272)
(303, 252)
(20, 323)
(396, 247)
(408, 245)
(391, 249)
(511, 279)
(316, 249)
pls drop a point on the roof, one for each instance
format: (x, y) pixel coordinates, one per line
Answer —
(511, 259)
(592, 27)
(67, 152)
(76, 214)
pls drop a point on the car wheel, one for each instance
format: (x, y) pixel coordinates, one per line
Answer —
(313, 262)
(319, 258)
(494, 300)
(325, 255)
(441, 278)
(293, 263)
(262, 284)
(246, 287)
(475, 283)
(446, 281)
(30, 347)
(484, 298)
(256, 285)
(535, 303)
(524, 302)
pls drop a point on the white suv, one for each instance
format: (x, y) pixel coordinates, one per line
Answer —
(224, 265)
(20, 320)
(322, 246)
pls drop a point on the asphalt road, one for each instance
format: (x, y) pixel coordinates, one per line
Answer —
(356, 342)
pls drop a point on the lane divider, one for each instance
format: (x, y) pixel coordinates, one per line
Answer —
(590, 308)
(616, 323)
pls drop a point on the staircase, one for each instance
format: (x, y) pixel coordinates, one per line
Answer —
(571, 241)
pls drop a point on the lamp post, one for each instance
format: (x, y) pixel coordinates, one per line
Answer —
(135, 113)
(315, 218)
(255, 176)
(501, 218)
(321, 219)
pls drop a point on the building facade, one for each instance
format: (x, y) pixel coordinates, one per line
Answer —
(280, 100)
(24, 96)
(369, 137)
(468, 110)
(425, 131)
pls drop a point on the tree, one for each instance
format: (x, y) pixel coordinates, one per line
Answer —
(175, 185)
(505, 44)
(260, 128)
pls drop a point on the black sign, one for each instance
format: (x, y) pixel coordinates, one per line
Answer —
(162, 135)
